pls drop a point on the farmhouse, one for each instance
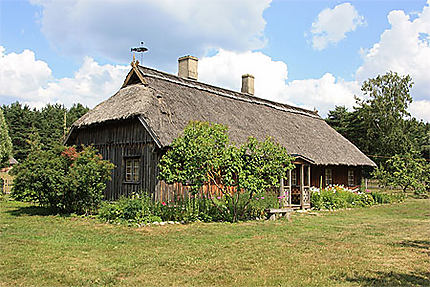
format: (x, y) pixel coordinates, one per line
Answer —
(135, 127)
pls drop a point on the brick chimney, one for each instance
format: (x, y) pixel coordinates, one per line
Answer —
(187, 67)
(248, 84)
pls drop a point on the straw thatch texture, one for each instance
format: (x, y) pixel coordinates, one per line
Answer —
(167, 103)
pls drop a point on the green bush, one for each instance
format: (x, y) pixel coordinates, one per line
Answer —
(62, 179)
(139, 210)
(382, 198)
(335, 197)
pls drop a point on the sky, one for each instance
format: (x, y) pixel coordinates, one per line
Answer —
(309, 53)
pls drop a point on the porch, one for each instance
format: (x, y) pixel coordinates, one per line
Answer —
(294, 190)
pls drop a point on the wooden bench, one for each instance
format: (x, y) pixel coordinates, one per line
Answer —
(274, 213)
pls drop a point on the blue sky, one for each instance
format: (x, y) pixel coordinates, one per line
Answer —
(314, 54)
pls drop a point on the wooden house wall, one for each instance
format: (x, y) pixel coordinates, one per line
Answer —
(339, 175)
(117, 141)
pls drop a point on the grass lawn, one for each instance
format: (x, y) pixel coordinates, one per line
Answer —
(385, 245)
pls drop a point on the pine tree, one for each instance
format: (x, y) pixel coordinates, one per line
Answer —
(5, 141)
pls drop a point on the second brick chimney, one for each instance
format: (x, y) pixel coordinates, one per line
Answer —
(187, 67)
(247, 84)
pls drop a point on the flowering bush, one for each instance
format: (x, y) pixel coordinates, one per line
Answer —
(63, 179)
(338, 196)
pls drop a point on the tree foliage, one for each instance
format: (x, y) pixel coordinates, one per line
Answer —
(204, 154)
(380, 124)
(62, 179)
(48, 123)
(407, 171)
(5, 141)
(383, 113)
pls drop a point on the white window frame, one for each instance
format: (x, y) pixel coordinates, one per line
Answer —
(351, 177)
(132, 169)
(328, 176)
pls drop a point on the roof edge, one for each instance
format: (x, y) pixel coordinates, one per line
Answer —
(150, 131)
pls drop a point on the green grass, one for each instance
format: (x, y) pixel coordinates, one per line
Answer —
(385, 245)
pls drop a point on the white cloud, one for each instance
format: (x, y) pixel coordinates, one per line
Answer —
(421, 109)
(30, 81)
(21, 75)
(323, 94)
(332, 25)
(404, 48)
(169, 28)
(226, 68)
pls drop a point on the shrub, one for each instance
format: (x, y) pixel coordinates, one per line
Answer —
(62, 179)
(334, 197)
(382, 198)
(141, 209)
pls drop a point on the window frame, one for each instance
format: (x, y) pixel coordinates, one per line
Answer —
(134, 176)
(328, 176)
(351, 182)
(294, 177)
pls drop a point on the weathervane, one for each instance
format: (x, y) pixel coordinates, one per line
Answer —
(140, 50)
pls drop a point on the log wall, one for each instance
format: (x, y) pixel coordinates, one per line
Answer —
(117, 141)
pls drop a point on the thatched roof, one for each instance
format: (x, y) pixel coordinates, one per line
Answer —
(166, 103)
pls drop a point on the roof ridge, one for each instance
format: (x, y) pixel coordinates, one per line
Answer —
(223, 92)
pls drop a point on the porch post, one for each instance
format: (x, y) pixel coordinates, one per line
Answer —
(302, 185)
(281, 192)
(289, 187)
(309, 176)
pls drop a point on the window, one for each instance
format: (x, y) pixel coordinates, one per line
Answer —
(328, 176)
(351, 179)
(132, 169)
(294, 177)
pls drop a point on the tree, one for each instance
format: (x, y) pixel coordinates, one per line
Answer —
(49, 123)
(204, 154)
(20, 120)
(382, 113)
(340, 119)
(5, 141)
(406, 171)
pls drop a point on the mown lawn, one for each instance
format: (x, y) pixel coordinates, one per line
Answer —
(383, 246)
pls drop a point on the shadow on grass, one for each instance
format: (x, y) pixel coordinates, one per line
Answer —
(393, 279)
(398, 279)
(420, 244)
(34, 210)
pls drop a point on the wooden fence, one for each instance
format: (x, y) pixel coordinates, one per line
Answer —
(177, 191)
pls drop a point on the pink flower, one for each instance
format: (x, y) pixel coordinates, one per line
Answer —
(163, 203)
(262, 197)
(219, 197)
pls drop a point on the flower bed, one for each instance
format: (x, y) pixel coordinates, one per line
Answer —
(338, 196)
(140, 210)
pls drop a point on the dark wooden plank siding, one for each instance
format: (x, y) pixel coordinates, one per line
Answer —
(117, 141)
(339, 173)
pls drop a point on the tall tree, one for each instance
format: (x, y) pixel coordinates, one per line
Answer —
(5, 141)
(48, 124)
(20, 119)
(382, 112)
